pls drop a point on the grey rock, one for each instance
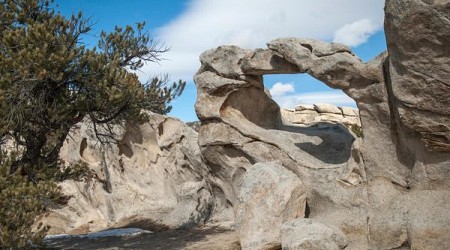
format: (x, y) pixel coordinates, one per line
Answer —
(269, 195)
(154, 177)
(331, 117)
(266, 62)
(351, 120)
(347, 111)
(304, 107)
(402, 152)
(418, 35)
(287, 115)
(384, 187)
(303, 234)
(305, 115)
(327, 108)
(305, 118)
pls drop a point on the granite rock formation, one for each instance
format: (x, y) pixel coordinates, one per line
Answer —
(418, 35)
(303, 234)
(268, 196)
(154, 177)
(321, 112)
(319, 185)
(385, 190)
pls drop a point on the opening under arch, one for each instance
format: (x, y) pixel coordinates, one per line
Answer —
(290, 90)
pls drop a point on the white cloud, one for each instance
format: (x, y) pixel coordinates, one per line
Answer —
(251, 23)
(280, 89)
(356, 33)
(335, 97)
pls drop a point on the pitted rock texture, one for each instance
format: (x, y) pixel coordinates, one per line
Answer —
(364, 186)
(268, 196)
(302, 234)
(153, 178)
(321, 112)
(418, 35)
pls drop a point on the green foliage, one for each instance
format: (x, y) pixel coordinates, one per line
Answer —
(24, 201)
(49, 81)
(21, 203)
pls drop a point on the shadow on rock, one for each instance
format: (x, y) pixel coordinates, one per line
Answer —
(335, 145)
(198, 238)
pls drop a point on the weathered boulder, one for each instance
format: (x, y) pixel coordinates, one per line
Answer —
(241, 125)
(402, 98)
(347, 111)
(153, 178)
(311, 114)
(269, 195)
(309, 234)
(418, 84)
(418, 35)
(327, 108)
(304, 107)
(403, 219)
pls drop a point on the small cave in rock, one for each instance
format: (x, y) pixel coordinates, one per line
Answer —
(83, 146)
(86, 153)
(307, 210)
(237, 176)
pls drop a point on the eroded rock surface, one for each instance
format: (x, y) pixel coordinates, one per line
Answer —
(152, 178)
(269, 195)
(418, 35)
(365, 186)
(303, 234)
(311, 114)
(386, 188)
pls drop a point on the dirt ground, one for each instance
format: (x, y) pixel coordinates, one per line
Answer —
(192, 239)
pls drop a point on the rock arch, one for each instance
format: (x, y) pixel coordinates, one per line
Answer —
(241, 125)
(231, 93)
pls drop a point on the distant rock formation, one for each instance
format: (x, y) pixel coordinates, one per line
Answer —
(194, 125)
(388, 189)
(321, 112)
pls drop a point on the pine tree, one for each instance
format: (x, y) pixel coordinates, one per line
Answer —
(21, 202)
(49, 81)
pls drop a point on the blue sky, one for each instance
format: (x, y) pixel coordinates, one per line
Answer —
(190, 27)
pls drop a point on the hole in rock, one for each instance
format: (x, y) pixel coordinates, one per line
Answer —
(237, 176)
(307, 210)
(329, 141)
(87, 153)
(290, 90)
(83, 146)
